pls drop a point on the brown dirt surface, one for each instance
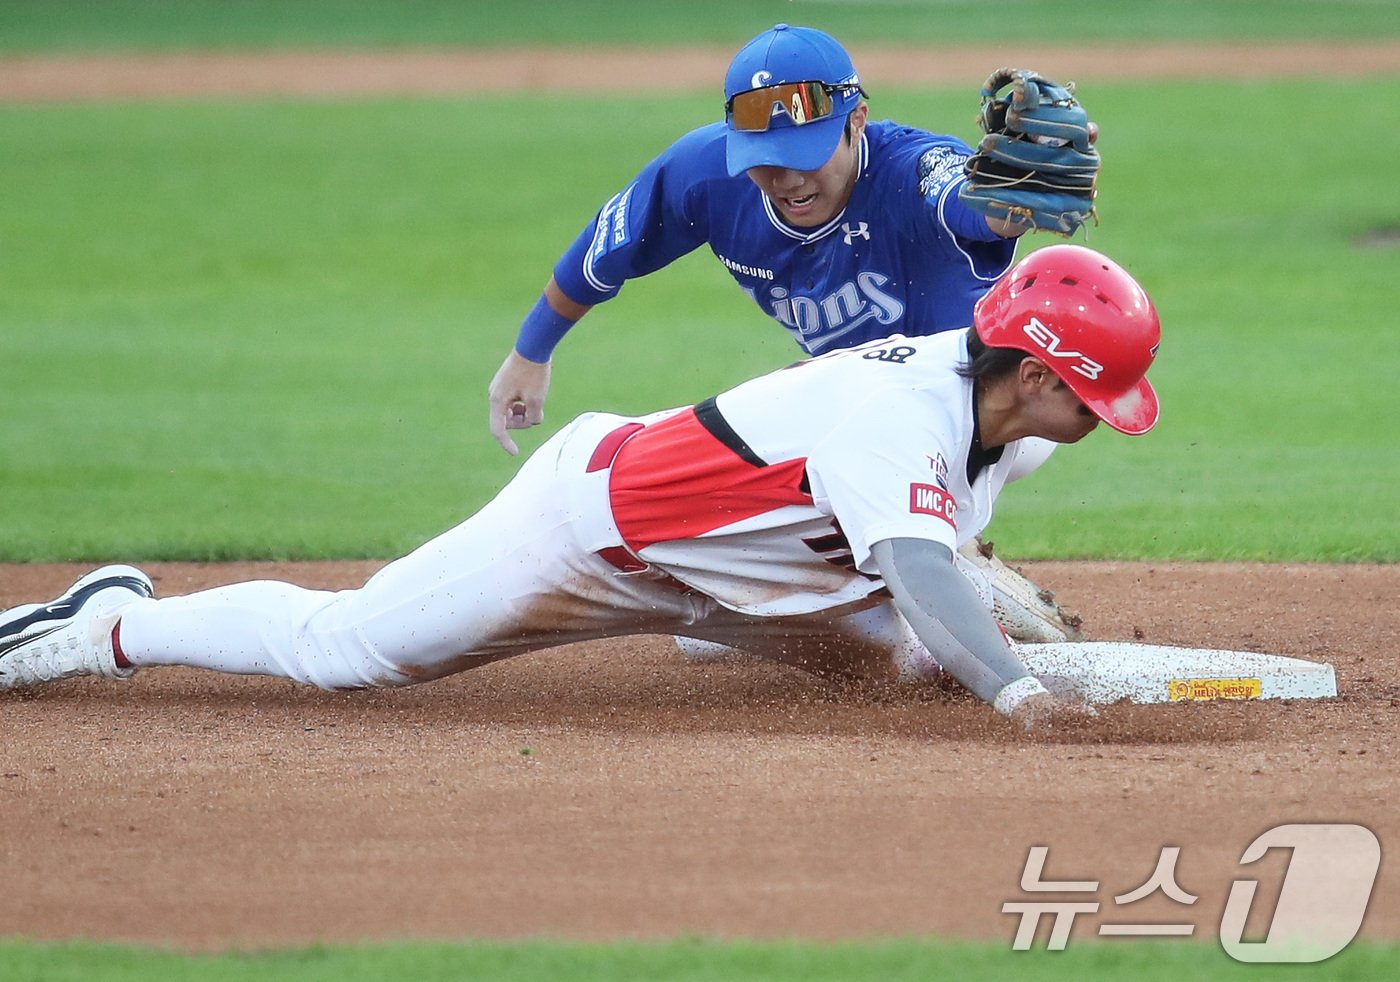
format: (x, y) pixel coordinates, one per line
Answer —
(42, 78)
(615, 790)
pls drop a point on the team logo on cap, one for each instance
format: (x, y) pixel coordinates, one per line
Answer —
(1048, 341)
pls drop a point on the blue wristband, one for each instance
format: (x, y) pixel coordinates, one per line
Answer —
(541, 330)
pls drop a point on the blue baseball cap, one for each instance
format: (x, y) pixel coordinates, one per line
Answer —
(790, 54)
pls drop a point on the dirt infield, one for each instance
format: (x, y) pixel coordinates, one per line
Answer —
(614, 790)
(49, 78)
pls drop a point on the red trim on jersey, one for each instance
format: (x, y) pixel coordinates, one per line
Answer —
(674, 480)
(610, 445)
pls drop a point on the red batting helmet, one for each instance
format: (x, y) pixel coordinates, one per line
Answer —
(1081, 314)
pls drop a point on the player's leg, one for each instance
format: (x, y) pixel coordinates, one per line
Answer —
(1026, 612)
(517, 576)
(874, 643)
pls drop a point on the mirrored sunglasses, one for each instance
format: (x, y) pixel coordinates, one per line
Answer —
(805, 102)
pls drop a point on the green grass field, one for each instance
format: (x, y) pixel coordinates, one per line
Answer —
(51, 25)
(680, 961)
(265, 328)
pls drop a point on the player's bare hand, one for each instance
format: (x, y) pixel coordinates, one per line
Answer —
(517, 396)
(1046, 714)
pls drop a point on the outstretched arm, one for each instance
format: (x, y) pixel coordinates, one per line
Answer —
(520, 386)
(943, 608)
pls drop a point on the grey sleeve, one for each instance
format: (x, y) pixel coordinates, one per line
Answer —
(944, 610)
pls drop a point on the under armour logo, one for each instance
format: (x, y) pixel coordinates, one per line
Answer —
(861, 230)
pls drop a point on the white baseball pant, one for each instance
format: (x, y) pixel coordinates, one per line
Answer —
(522, 574)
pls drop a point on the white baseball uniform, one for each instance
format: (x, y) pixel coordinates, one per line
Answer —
(747, 520)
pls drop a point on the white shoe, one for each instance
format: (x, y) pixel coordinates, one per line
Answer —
(71, 635)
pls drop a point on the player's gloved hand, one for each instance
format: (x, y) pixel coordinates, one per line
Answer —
(1046, 714)
(1037, 166)
(517, 395)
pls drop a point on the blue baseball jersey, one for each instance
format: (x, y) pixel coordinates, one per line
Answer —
(904, 256)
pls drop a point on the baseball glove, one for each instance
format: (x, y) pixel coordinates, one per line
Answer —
(1037, 165)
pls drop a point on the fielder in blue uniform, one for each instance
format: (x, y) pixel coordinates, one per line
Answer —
(841, 229)
(899, 253)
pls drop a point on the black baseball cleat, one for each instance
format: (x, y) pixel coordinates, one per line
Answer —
(71, 635)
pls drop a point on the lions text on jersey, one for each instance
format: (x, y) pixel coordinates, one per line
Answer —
(904, 255)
